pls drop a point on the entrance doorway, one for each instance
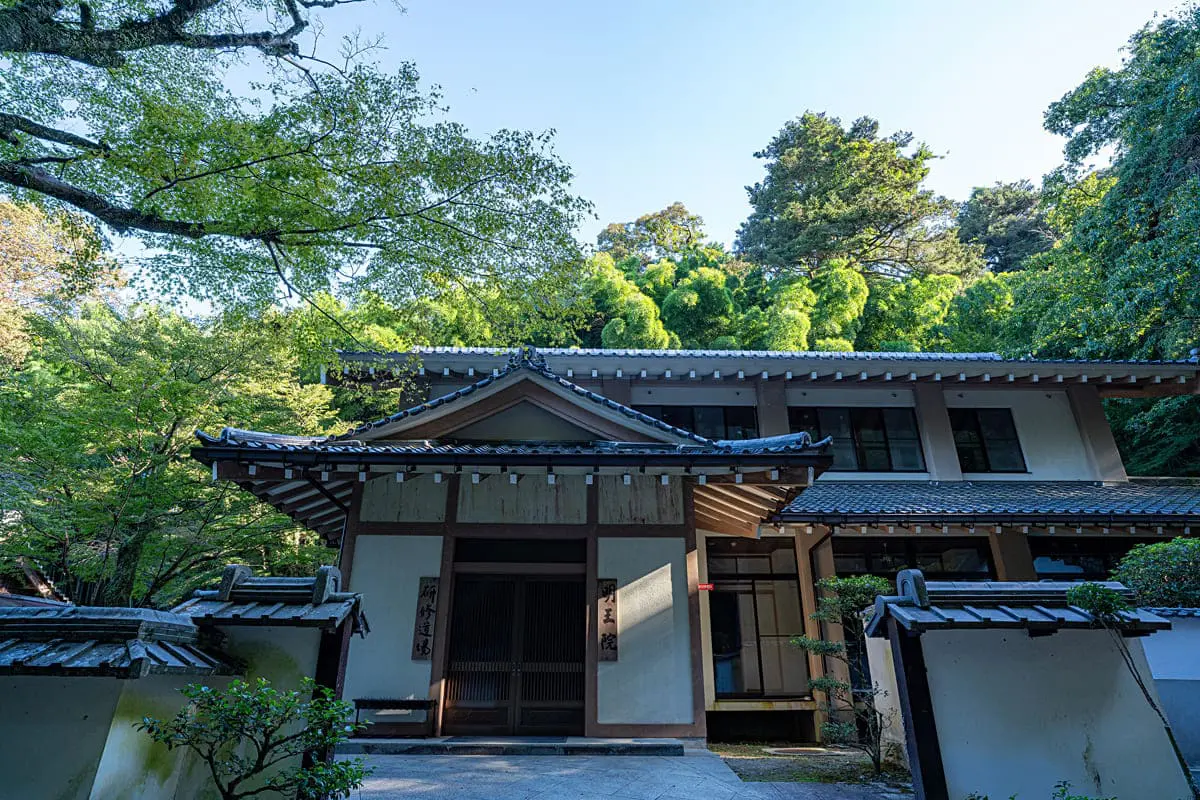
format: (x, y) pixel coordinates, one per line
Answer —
(516, 656)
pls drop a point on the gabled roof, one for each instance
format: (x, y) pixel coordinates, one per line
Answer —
(1115, 378)
(1151, 502)
(525, 362)
(86, 641)
(1040, 608)
(243, 599)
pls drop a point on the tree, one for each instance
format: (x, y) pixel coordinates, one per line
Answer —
(45, 259)
(319, 176)
(907, 315)
(979, 318)
(841, 297)
(665, 234)
(1140, 242)
(250, 737)
(624, 316)
(845, 193)
(700, 308)
(1164, 574)
(94, 433)
(1006, 219)
(854, 716)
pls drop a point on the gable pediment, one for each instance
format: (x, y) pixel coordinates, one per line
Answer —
(523, 421)
(527, 407)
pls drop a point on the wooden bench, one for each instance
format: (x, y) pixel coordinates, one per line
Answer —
(423, 728)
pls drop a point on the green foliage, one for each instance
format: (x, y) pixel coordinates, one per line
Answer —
(1157, 437)
(325, 174)
(844, 598)
(841, 297)
(834, 193)
(1007, 220)
(700, 308)
(94, 433)
(912, 311)
(665, 234)
(1164, 574)
(853, 714)
(251, 736)
(1099, 600)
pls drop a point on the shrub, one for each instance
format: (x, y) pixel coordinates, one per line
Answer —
(248, 733)
(1165, 574)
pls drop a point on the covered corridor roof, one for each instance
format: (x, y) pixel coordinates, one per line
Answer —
(1133, 502)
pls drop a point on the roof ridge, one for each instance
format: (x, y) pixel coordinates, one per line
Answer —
(526, 357)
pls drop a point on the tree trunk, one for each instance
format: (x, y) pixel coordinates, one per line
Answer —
(118, 591)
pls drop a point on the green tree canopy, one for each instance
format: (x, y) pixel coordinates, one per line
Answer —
(846, 193)
(665, 234)
(1006, 219)
(700, 308)
(324, 174)
(94, 433)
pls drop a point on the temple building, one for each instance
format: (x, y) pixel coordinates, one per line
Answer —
(623, 543)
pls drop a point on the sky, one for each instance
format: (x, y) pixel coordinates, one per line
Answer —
(666, 100)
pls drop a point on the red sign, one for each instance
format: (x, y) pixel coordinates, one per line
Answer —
(705, 587)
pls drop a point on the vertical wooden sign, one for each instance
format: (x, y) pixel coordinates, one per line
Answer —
(427, 595)
(606, 615)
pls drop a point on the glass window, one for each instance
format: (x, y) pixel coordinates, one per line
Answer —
(1072, 558)
(865, 439)
(755, 612)
(986, 440)
(713, 422)
(940, 558)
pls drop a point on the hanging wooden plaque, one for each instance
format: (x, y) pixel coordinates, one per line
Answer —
(427, 596)
(606, 626)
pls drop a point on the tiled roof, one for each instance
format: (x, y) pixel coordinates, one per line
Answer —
(243, 599)
(797, 355)
(112, 642)
(836, 502)
(446, 452)
(526, 358)
(1039, 607)
(1175, 612)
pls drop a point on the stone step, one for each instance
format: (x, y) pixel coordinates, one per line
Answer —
(513, 746)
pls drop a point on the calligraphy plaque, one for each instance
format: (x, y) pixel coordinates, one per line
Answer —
(606, 618)
(427, 595)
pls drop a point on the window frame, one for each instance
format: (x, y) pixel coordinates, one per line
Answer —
(761, 547)
(977, 427)
(856, 438)
(649, 408)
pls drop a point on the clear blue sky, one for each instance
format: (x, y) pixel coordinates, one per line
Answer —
(659, 101)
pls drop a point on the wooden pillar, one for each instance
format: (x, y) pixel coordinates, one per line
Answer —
(916, 706)
(771, 404)
(699, 713)
(937, 438)
(1094, 430)
(1011, 555)
(441, 632)
(821, 559)
(805, 542)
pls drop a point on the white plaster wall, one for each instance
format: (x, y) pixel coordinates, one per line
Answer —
(387, 570)
(651, 683)
(133, 765)
(37, 714)
(282, 655)
(1017, 714)
(1174, 658)
(1049, 434)
(883, 675)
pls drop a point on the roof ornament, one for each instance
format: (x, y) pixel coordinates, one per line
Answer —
(527, 355)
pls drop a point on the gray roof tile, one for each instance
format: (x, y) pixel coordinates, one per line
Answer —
(835, 502)
(243, 599)
(1037, 607)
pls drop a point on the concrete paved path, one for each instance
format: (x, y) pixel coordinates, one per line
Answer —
(699, 775)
